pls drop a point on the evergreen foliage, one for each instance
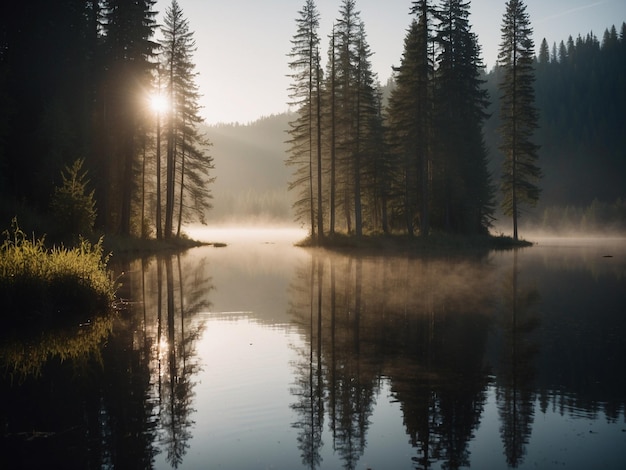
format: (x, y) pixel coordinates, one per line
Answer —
(518, 114)
(598, 218)
(73, 207)
(408, 166)
(187, 163)
(410, 118)
(462, 189)
(74, 80)
(416, 165)
(580, 96)
(305, 129)
(128, 53)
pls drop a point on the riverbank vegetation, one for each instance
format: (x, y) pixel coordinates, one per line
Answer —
(39, 285)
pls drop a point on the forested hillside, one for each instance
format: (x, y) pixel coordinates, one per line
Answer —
(251, 176)
(581, 96)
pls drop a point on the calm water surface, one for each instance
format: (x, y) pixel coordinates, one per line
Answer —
(263, 355)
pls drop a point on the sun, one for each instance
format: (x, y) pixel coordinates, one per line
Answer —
(158, 103)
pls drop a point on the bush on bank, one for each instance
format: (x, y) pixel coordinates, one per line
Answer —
(37, 283)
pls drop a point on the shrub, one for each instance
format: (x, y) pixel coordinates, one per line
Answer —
(73, 208)
(41, 284)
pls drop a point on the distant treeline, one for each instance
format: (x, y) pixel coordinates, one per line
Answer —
(598, 218)
(253, 206)
(580, 92)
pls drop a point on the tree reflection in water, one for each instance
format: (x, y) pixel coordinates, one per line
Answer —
(104, 394)
(418, 325)
(515, 385)
(175, 360)
(397, 357)
(308, 388)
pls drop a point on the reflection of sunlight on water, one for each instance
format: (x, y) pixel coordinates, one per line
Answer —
(247, 234)
(252, 273)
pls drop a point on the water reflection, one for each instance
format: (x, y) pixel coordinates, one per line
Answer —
(515, 383)
(442, 334)
(24, 354)
(116, 392)
(169, 333)
(263, 355)
(417, 323)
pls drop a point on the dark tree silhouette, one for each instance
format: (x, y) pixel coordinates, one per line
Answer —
(518, 114)
(410, 119)
(305, 131)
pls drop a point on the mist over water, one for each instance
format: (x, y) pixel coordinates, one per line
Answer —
(261, 354)
(248, 234)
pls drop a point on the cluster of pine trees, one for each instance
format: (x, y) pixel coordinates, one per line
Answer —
(76, 77)
(580, 91)
(420, 163)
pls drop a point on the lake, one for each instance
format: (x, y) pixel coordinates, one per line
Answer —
(263, 355)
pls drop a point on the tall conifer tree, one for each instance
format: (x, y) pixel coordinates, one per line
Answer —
(410, 118)
(305, 130)
(187, 163)
(463, 190)
(330, 94)
(346, 34)
(128, 29)
(518, 114)
(355, 110)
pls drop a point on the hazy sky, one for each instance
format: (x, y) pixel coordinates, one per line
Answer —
(243, 44)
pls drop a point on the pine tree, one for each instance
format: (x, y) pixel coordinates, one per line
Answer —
(544, 52)
(410, 118)
(73, 207)
(305, 131)
(562, 53)
(187, 163)
(345, 44)
(377, 168)
(355, 105)
(330, 94)
(518, 114)
(128, 50)
(368, 133)
(462, 187)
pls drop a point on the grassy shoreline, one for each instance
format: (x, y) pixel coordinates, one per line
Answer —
(41, 286)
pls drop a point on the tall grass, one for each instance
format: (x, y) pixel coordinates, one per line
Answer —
(41, 283)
